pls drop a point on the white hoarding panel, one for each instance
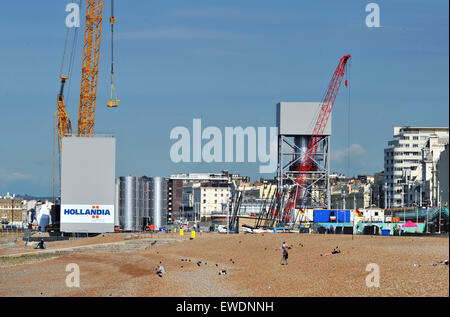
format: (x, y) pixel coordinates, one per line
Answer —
(87, 213)
(88, 184)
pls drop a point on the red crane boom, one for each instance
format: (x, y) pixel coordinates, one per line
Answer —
(308, 159)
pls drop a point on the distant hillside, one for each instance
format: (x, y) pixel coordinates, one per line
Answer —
(28, 197)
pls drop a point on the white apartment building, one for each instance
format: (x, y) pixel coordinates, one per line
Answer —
(410, 165)
(211, 198)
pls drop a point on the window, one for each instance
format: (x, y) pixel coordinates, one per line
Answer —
(415, 137)
(415, 145)
(204, 201)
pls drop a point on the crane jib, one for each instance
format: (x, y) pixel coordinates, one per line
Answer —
(321, 122)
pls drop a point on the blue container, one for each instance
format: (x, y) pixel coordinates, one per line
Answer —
(324, 215)
(386, 232)
(321, 215)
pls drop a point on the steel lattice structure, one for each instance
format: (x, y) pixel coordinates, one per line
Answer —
(308, 162)
(89, 74)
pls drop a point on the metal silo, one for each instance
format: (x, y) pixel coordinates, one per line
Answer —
(146, 210)
(116, 202)
(140, 201)
(158, 202)
(128, 203)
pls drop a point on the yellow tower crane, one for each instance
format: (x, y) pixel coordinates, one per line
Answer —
(89, 75)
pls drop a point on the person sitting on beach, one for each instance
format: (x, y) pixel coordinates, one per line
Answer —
(40, 245)
(160, 270)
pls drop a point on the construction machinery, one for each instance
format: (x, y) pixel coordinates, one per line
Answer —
(236, 202)
(280, 209)
(307, 164)
(89, 75)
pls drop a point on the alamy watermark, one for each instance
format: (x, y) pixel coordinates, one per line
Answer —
(373, 279)
(73, 18)
(221, 150)
(373, 18)
(73, 279)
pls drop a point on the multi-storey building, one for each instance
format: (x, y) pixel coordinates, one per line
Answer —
(210, 198)
(443, 176)
(409, 165)
(351, 194)
(11, 209)
(377, 191)
(174, 199)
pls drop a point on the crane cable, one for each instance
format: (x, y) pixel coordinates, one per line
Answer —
(72, 56)
(61, 70)
(348, 117)
(72, 53)
(113, 102)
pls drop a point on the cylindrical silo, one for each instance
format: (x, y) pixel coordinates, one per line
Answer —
(116, 202)
(146, 211)
(301, 142)
(128, 202)
(140, 203)
(158, 202)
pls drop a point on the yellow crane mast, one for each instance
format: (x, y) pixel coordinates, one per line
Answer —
(89, 72)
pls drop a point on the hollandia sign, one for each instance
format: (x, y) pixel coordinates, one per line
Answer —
(87, 213)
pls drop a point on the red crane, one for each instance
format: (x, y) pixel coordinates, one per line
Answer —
(308, 159)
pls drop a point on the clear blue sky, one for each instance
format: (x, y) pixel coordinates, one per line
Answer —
(228, 62)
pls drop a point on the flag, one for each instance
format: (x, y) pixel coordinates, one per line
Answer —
(358, 213)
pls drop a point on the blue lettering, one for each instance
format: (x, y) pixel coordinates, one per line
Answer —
(105, 212)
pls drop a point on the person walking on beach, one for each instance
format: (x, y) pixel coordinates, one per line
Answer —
(284, 247)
